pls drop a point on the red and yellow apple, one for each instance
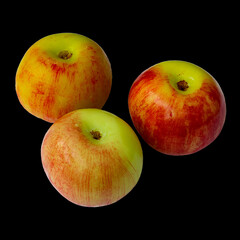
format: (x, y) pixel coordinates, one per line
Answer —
(177, 107)
(61, 73)
(92, 157)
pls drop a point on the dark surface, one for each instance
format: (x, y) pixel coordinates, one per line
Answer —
(171, 189)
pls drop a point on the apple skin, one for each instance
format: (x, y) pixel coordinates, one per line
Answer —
(173, 121)
(49, 86)
(87, 171)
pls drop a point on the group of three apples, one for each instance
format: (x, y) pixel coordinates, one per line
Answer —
(92, 157)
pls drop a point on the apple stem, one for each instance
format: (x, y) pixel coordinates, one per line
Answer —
(65, 54)
(182, 85)
(96, 134)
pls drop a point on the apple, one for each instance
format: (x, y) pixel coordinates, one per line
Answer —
(61, 73)
(92, 157)
(177, 107)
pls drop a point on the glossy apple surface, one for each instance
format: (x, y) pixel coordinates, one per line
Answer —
(92, 157)
(177, 107)
(61, 73)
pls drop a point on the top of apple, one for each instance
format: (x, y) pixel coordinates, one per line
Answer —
(184, 77)
(65, 46)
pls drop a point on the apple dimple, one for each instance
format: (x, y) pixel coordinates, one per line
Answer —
(182, 85)
(65, 54)
(96, 134)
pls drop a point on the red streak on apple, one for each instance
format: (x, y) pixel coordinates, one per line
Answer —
(58, 69)
(91, 48)
(39, 88)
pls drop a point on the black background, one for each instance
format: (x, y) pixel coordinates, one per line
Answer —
(192, 190)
